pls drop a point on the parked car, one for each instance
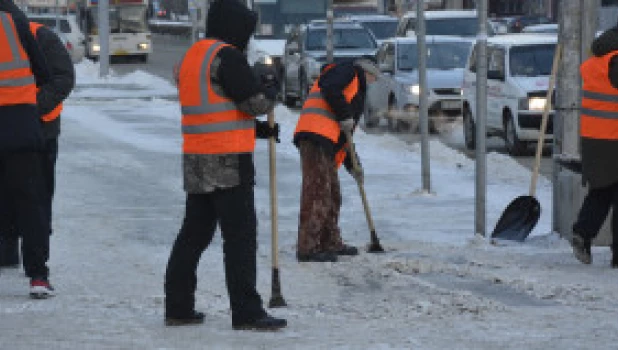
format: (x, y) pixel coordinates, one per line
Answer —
(395, 96)
(518, 23)
(519, 66)
(382, 26)
(443, 22)
(305, 54)
(70, 29)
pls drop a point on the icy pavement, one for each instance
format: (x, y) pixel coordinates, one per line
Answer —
(119, 205)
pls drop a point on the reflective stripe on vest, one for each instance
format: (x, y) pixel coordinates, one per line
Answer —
(16, 78)
(211, 124)
(55, 113)
(319, 118)
(599, 111)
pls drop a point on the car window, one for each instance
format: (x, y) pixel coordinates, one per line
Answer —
(452, 26)
(342, 39)
(51, 23)
(532, 60)
(440, 55)
(381, 29)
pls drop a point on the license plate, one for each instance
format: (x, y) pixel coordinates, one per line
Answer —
(120, 52)
(450, 104)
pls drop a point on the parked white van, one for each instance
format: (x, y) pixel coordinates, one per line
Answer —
(519, 66)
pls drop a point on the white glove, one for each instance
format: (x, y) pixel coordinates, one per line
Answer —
(347, 125)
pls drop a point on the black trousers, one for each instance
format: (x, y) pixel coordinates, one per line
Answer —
(233, 210)
(23, 206)
(593, 213)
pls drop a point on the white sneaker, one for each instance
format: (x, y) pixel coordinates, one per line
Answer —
(41, 289)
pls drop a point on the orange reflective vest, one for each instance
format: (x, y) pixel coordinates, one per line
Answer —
(17, 85)
(211, 123)
(318, 117)
(599, 112)
(55, 113)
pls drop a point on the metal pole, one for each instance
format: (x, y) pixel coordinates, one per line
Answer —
(566, 118)
(423, 92)
(103, 38)
(481, 118)
(329, 32)
(57, 16)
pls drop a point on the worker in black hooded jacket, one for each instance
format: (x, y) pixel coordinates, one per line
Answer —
(49, 103)
(220, 97)
(21, 144)
(599, 146)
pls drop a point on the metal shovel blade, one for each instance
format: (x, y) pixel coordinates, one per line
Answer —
(518, 219)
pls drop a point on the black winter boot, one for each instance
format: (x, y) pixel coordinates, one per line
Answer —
(194, 317)
(265, 323)
(9, 252)
(317, 257)
(581, 248)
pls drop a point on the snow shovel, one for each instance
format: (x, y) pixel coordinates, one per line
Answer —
(276, 299)
(374, 246)
(523, 213)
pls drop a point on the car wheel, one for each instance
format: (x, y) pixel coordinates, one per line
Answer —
(469, 129)
(514, 146)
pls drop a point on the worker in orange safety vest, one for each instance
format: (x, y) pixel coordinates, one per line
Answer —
(333, 106)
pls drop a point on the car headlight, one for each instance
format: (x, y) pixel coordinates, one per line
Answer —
(96, 47)
(142, 46)
(537, 103)
(267, 60)
(532, 103)
(414, 89)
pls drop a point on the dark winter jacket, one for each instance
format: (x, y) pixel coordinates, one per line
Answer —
(332, 83)
(233, 23)
(20, 127)
(599, 165)
(62, 79)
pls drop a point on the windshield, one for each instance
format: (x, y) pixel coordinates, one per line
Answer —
(122, 19)
(531, 61)
(381, 30)
(449, 55)
(452, 26)
(342, 39)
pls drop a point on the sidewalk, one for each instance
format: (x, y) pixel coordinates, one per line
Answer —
(119, 205)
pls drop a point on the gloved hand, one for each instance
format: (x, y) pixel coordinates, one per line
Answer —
(264, 131)
(347, 125)
(357, 173)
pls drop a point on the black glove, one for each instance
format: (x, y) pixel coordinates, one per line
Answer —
(267, 77)
(264, 131)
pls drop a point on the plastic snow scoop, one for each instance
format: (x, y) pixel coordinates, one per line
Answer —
(276, 299)
(374, 245)
(522, 214)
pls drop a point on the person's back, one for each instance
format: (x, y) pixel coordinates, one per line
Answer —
(22, 68)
